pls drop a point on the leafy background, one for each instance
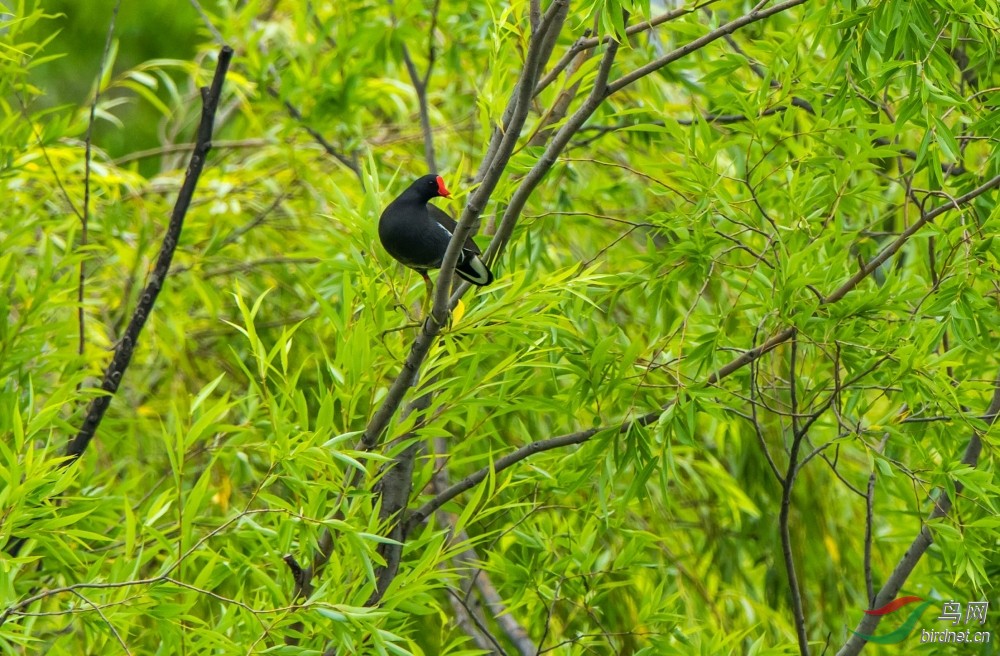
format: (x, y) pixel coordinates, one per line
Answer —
(698, 212)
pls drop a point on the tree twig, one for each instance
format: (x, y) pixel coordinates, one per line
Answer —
(208, 23)
(87, 147)
(468, 612)
(476, 577)
(183, 147)
(756, 422)
(420, 87)
(470, 621)
(730, 27)
(294, 112)
(45, 154)
(104, 618)
(513, 629)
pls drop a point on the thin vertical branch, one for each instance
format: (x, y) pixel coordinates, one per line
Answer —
(467, 611)
(88, 142)
(45, 154)
(754, 372)
(107, 622)
(470, 621)
(869, 521)
(792, 384)
(513, 629)
(786, 503)
(420, 87)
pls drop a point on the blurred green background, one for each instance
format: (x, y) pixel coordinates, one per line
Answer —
(144, 30)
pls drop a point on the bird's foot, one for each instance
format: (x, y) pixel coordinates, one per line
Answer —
(425, 307)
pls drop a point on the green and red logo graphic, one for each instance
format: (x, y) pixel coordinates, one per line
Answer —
(904, 630)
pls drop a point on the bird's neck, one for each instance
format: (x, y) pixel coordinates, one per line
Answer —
(410, 197)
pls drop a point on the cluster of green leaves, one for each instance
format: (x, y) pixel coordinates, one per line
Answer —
(701, 210)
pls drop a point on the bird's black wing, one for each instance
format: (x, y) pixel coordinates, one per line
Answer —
(449, 224)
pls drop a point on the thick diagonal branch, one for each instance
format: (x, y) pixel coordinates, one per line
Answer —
(500, 148)
(126, 346)
(597, 95)
(601, 91)
(539, 50)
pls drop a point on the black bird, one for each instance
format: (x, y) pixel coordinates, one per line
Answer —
(417, 234)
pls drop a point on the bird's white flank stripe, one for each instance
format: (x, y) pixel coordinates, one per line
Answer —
(477, 265)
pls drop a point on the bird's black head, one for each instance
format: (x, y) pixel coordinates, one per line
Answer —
(429, 186)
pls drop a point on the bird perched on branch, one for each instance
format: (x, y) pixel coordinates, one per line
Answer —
(417, 234)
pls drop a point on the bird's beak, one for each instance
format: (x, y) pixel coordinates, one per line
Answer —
(442, 190)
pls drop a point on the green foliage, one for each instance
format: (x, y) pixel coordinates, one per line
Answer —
(700, 211)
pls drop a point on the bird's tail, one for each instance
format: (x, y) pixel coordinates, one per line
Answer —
(472, 268)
